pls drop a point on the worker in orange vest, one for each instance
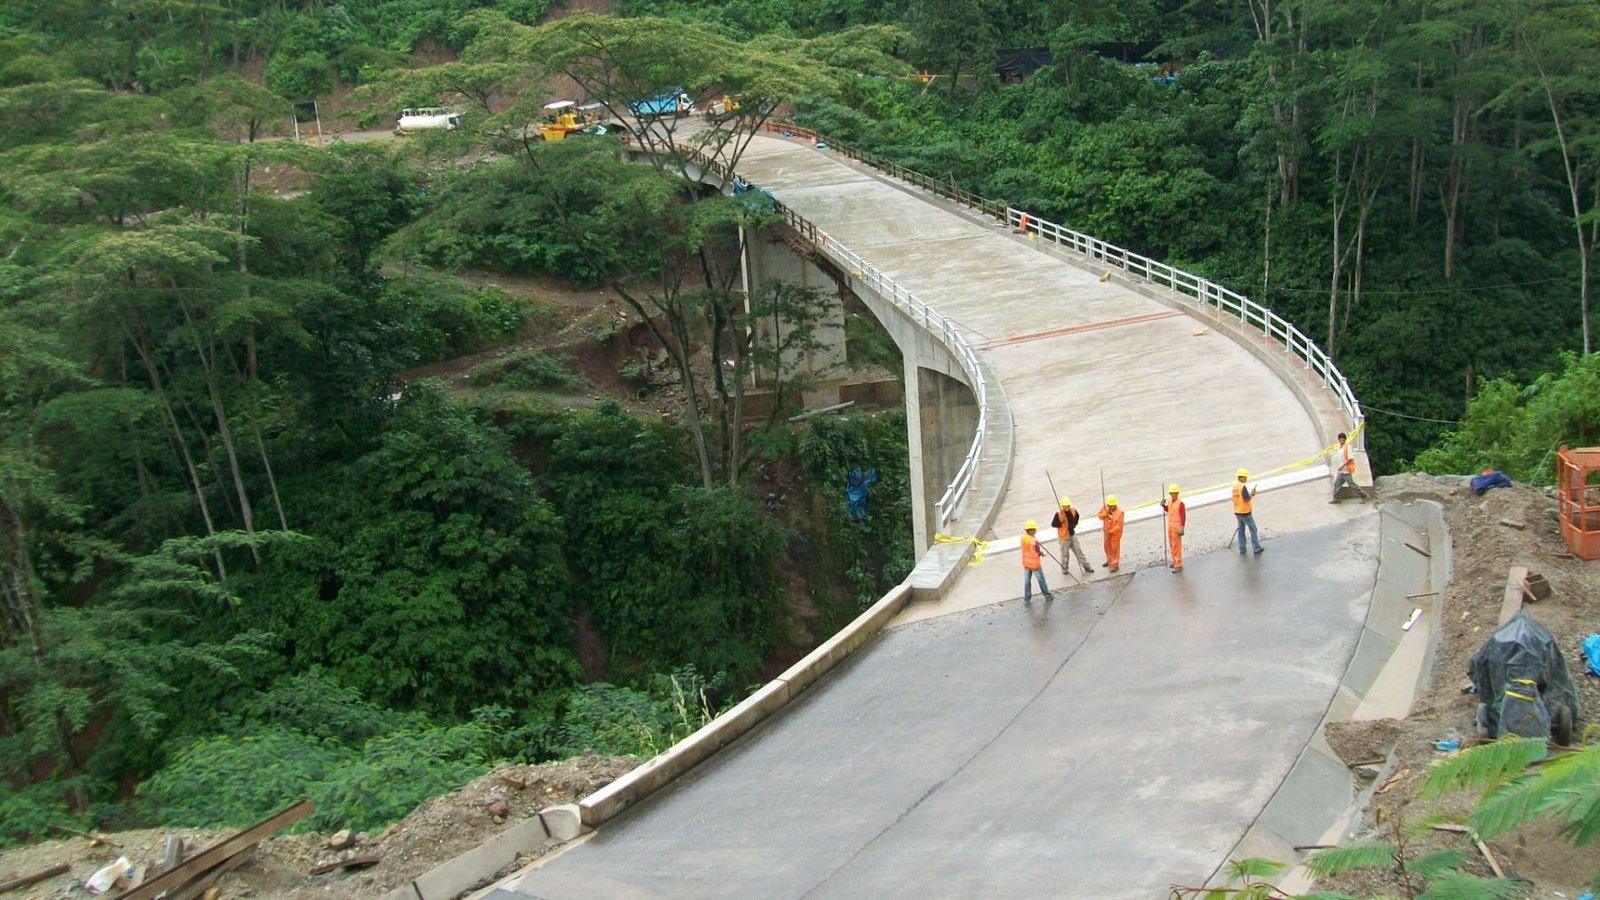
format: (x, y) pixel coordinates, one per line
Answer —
(1066, 526)
(1346, 471)
(1243, 512)
(1031, 565)
(1111, 518)
(1176, 517)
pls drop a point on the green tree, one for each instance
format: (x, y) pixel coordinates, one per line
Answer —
(954, 37)
(662, 222)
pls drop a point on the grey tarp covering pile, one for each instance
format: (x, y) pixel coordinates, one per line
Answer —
(1523, 684)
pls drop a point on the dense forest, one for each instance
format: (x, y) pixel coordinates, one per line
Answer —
(243, 558)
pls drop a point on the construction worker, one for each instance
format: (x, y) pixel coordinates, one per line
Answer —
(1066, 525)
(1346, 470)
(1176, 517)
(1242, 511)
(1111, 518)
(1031, 564)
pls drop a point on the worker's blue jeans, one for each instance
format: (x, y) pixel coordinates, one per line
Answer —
(1027, 584)
(1248, 520)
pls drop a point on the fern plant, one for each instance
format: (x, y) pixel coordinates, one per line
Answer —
(1521, 783)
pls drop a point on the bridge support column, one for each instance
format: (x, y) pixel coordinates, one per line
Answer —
(941, 415)
(767, 258)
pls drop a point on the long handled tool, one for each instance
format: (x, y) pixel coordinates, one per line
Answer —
(1062, 545)
(1165, 560)
(1064, 570)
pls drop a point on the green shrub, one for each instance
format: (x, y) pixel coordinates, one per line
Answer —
(1518, 429)
(525, 370)
(299, 76)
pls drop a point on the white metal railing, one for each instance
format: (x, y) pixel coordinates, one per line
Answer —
(941, 328)
(1206, 293)
(938, 326)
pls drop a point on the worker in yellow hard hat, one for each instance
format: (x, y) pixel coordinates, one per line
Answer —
(1111, 518)
(1032, 564)
(1176, 517)
(1066, 525)
(1243, 511)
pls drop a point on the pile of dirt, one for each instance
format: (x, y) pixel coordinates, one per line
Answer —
(1505, 527)
(434, 833)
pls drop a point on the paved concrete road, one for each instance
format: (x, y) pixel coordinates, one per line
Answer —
(1107, 745)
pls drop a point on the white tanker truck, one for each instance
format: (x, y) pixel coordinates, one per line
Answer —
(426, 118)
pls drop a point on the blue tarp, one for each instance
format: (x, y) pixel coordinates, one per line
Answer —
(1491, 479)
(856, 491)
(1591, 653)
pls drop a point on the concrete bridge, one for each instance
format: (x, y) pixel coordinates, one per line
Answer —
(1136, 733)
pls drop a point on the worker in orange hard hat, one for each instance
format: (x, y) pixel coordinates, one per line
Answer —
(1176, 517)
(1032, 566)
(1066, 525)
(1243, 510)
(1111, 518)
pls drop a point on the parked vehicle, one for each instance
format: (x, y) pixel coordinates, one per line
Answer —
(560, 119)
(673, 103)
(426, 118)
(721, 109)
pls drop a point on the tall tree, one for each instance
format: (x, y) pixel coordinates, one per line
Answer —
(1560, 42)
(678, 224)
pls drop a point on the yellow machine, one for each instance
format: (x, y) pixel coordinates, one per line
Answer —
(560, 119)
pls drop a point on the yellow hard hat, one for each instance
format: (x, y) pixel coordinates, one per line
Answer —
(1172, 488)
(1111, 500)
(1242, 473)
(1030, 525)
(1066, 501)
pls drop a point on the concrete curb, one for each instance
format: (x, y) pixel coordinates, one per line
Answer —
(660, 771)
(1316, 804)
(453, 878)
(465, 871)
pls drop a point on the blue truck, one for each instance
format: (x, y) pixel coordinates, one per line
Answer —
(672, 103)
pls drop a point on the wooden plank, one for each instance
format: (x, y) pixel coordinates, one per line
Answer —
(220, 853)
(1494, 865)
(202, 887)
(35, 878)
(1512, 602)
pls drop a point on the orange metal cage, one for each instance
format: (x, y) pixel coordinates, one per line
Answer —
(1578, 495)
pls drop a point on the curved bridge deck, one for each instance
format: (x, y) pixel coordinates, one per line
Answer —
(1110, 744)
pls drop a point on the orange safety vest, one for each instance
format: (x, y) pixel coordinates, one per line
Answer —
(1113, 519)
(1030, 551)
(1175, 515)
(1241, 504)
(1349, 465)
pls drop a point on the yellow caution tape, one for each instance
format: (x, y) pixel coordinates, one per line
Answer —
(1297, 464)
(978, 547)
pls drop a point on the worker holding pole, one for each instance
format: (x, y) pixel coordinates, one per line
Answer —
(1066, 526)
(1111, 519)
(1032, 564)
(1176, 517)
(1243, 504)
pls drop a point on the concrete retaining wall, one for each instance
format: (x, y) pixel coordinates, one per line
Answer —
(1317, 802)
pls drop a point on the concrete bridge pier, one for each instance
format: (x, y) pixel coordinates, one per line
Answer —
(941, 410)
(941, 414)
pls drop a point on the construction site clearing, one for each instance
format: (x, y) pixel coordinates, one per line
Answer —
(1505, 535)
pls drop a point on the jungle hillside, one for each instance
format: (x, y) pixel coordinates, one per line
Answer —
(349, 469)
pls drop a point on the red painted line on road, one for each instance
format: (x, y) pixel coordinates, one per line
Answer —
(1079, 329)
